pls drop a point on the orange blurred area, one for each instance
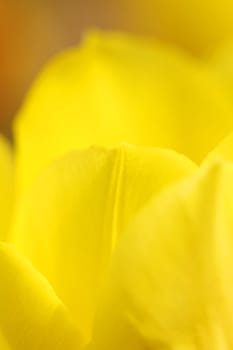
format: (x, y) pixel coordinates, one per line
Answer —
(33, 31)
(9, 25)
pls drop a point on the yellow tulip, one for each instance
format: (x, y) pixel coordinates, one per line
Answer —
(80, 207)
(118, 88)
(196, 25)
(171, 282)
(124, 247)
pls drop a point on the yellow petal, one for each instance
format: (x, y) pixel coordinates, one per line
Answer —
(223, 150)
(31, 317)
(221, 62)
(69, 223)
(172, 280)
(3, 343)
(196, 25)
(118, 88)
(6, 187)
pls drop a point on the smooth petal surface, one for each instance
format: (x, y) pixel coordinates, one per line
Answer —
(6, 187)
(69, 224)
(224, 150)
(222, 63)
(172, 280)
(196, 25)
(31, 317)
(118, 88)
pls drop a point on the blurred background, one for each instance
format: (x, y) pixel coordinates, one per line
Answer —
(31, 31)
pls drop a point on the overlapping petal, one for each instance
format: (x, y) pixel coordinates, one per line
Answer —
(224, 150)
(119, 88)
(6, 187)
(31, 316)
(172, 280)
(69, 224)
(196, 25)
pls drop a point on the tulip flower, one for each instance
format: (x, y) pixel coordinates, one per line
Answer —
(171, 282)
(119, 246)
(118, 88)
(70, 223)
